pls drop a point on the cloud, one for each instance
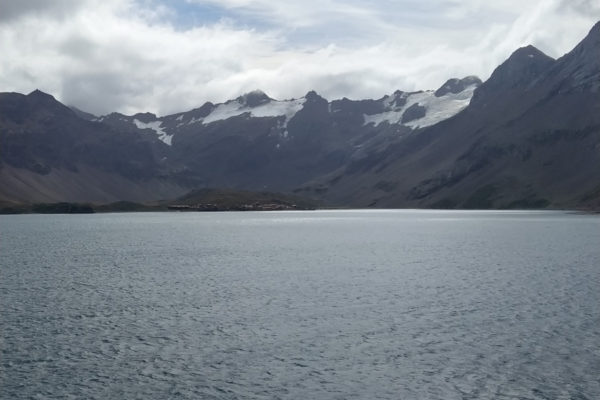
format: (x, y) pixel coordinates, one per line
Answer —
(12, 10)
(583, 7)
(111, 59)
(132, 56)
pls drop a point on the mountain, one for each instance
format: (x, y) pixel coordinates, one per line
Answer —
(49, 153)
(528, 139)
(54, 153)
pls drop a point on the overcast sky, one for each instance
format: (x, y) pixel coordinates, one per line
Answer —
(169, 56)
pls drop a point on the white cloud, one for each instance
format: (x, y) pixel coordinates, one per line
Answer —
(129, 56)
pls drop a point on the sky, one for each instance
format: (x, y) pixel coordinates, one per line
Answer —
(170, 56)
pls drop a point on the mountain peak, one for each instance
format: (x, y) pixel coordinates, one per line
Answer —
(456, 85)
(38, 94)
(313, 96)
(254, 98)
(527, 52)
(580, 68)
(145, 117)
(524, 66)
(42, 100)
(520, 69)
(591, 43)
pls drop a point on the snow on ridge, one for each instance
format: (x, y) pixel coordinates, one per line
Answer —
(156, 126)
(274, 108)
(192, 121)
(441, 108)
(437, 108)
(394, 116)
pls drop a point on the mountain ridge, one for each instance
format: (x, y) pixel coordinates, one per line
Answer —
(526, 137)
(514, 146)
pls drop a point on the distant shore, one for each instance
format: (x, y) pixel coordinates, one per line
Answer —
(127, 206)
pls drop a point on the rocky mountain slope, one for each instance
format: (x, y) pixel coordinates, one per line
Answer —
(49, 153)
(527, 137)
(53, 153)
(256, 142)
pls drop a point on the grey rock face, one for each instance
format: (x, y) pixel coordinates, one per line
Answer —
(521, 70)
(455, 85)
(413, 112)
(254, 98)
(579, 70)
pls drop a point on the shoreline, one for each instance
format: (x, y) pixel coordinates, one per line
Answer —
(87, 208)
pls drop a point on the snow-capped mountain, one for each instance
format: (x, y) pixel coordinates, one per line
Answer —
(530, 138)
(410, 109)
(257, 141)
(421, 109)
(526, 137)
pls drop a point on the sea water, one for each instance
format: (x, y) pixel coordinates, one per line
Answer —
(300, 305)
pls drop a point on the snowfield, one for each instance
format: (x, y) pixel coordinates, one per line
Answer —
(437, 108)
(156, 126)
(274, 108)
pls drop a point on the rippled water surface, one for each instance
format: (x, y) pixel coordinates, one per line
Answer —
(300, 305)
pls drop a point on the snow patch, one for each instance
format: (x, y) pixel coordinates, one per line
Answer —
(156, 126)
(193, 121)
(180, 118)
(437, 108)
(274, 108)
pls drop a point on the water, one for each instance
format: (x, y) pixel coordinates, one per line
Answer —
(300, 305)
